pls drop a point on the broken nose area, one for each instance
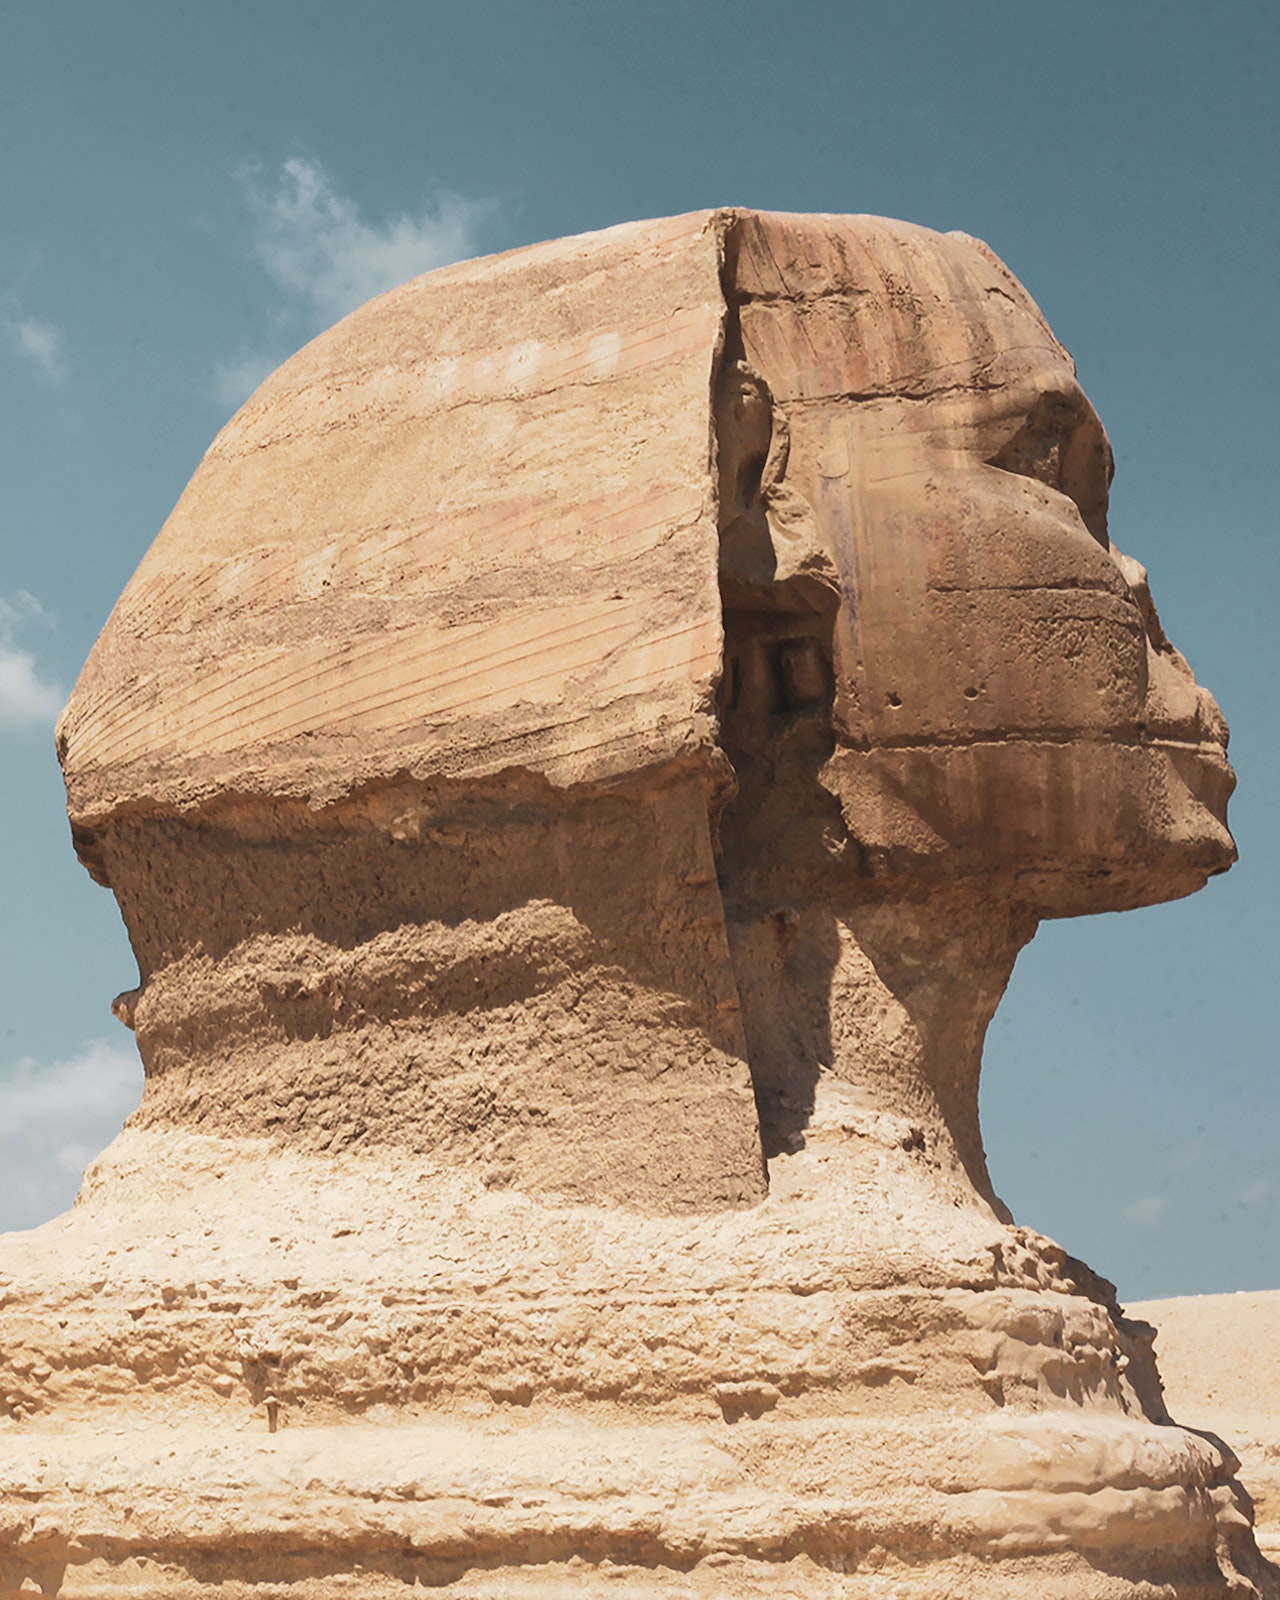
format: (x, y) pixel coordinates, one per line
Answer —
(1212, 724)
(1176, 709)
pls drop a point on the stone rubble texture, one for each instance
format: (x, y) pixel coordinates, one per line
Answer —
(577, 768)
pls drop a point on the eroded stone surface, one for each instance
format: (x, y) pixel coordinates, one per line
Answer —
(578, 767)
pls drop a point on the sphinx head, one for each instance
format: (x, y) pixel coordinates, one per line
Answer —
(651, 659)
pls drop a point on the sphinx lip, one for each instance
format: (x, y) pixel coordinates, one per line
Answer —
(1206, 750)
(1203, 767)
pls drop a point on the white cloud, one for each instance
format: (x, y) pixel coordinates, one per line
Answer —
(38, 342)
(26, 698)
(41, 343)
(325, 259)
(56, 1118)
(235, 381)
(1148, 1210)
(1259, 1192)
(314, 245)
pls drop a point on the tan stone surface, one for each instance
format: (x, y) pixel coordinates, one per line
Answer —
(1219, 1358)
(578, 767)
(469, 528)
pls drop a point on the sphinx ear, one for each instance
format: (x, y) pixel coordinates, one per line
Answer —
(775, 466)
(793, 530)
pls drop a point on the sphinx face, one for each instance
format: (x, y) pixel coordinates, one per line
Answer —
(1004, 701)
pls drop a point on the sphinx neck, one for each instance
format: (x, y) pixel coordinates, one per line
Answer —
(865, 1018)
(865, 998)
(518, 983)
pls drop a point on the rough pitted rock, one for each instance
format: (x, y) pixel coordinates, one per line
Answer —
(577, 768)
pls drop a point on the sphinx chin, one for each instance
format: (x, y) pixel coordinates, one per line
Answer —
(1066, 828)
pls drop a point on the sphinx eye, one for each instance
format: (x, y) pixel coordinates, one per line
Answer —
(1061, 444)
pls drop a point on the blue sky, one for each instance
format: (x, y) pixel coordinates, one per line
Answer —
(190, 191)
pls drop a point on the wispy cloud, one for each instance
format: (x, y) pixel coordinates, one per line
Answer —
(1258, 1192)
(314, 245)
(38, 343)
(27, 699)
(56, 1118)
(325, 259)
(235, 381)
(41, 343)
(1148, 1210)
